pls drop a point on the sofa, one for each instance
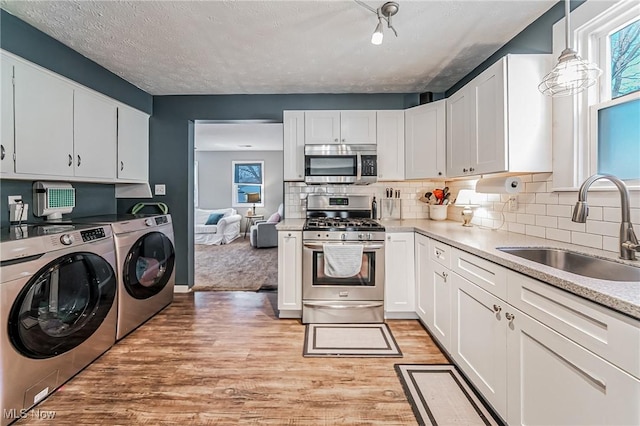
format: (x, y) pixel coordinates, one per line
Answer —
(213, 227)
(263, 233)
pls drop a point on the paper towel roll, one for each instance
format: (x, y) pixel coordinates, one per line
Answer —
(499, 185)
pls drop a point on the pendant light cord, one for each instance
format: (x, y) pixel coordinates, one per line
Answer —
(567, 27)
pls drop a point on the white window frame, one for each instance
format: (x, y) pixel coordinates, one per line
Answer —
(234, 184)
(574, 131)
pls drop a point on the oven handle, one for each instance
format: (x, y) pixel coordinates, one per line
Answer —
(359, 167)
(331, 306)
(364, 246)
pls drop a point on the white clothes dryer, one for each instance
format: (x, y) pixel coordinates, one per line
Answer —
(58, 308)
(145, 256)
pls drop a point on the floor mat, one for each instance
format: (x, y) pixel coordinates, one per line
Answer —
(350, 340)
(438, 394)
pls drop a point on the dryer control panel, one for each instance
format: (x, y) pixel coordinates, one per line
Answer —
(93, 234)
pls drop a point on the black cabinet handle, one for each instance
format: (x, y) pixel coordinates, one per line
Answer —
(2, 152)
(70, 160)
(79, 161)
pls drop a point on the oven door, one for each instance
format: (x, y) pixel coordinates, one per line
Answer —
(367, 284)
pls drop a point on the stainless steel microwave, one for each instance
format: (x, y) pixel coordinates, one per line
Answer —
(342, 164)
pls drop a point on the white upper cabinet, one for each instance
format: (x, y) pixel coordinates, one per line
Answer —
(293, 123)
(6, 97)
(390, 143)
(94, 125)
(499, 121)
(133, 144)
(425, 141)
(340, 127)
(43, 108)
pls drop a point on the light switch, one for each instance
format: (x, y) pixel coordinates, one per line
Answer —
(160, 189)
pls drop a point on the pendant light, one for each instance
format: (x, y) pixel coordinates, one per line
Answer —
(572, 74)
(377, 36)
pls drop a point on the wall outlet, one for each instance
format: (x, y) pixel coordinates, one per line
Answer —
(14, 199)
(513, 203)
(160, 189)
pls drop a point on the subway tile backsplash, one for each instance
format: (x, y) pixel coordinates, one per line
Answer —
(540, 212)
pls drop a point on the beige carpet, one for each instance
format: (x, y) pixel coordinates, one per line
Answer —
(350, 340)
(439, 395)
(235, 267)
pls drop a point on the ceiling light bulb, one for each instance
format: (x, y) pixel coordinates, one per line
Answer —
(377, 36)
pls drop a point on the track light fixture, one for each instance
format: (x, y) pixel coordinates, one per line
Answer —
(386, 11)
(572, 74)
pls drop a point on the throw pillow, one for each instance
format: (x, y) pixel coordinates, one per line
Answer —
(214, 218)
(274, 218)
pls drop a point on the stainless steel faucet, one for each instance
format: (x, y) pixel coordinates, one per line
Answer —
(628, 240)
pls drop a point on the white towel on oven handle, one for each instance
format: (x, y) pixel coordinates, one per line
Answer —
(342, 261)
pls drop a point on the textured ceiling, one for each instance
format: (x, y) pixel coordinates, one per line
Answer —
(267, 47)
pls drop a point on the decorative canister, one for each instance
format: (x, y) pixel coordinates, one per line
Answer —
(438, 211)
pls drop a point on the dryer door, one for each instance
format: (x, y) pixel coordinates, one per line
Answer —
(149, 265)
(62, 305)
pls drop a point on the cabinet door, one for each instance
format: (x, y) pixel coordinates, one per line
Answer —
(43, 123)
(423, 300)
(458, 133)
(321, 127)
(293, 145)
(133, 144)
(489, 120)
(390, 138)
(399, 282)
(358, 127)
(425, 141)
(289, 271)
(6, 97)
(439, 293)
(95, 139)
(478, 340)
(554, 381)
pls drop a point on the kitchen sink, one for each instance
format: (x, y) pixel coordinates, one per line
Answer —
(577, 263)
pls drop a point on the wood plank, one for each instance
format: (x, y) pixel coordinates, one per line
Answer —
(225, 358)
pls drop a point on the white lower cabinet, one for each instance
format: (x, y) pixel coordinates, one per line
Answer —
(290, 274)
(536, 369)
(554, 381)
(478, 340)
(433, 288)
(399, 277)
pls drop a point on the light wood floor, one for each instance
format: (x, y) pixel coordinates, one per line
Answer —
(225, 358)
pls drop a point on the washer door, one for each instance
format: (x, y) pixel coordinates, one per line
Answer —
(62, 305)
(149, 265)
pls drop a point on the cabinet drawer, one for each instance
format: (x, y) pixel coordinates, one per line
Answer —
(486, 275)
(440, 252)
(609, 335)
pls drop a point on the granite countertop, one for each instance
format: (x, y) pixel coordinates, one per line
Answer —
(290, 225)
(621, 296)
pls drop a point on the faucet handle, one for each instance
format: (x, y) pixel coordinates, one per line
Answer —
(631, 246)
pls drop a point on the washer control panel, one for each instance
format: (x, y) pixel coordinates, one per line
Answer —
(92, 234)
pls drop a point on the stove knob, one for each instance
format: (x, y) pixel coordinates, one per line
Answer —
(369, 236)
(149, 222)
(343, 236)
(67, 239)
(361, 236)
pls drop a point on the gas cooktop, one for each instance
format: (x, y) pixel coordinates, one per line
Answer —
(342, 224)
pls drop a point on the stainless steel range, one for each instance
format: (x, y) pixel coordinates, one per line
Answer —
(342, 261)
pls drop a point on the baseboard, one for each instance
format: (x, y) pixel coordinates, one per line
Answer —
(181, 289)
(290, 314)
(400, 315)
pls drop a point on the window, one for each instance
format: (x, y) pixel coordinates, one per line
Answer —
(599, 128)
(248, 184)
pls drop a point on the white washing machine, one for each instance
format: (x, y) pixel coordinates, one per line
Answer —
(58, 308)
(145, 256)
